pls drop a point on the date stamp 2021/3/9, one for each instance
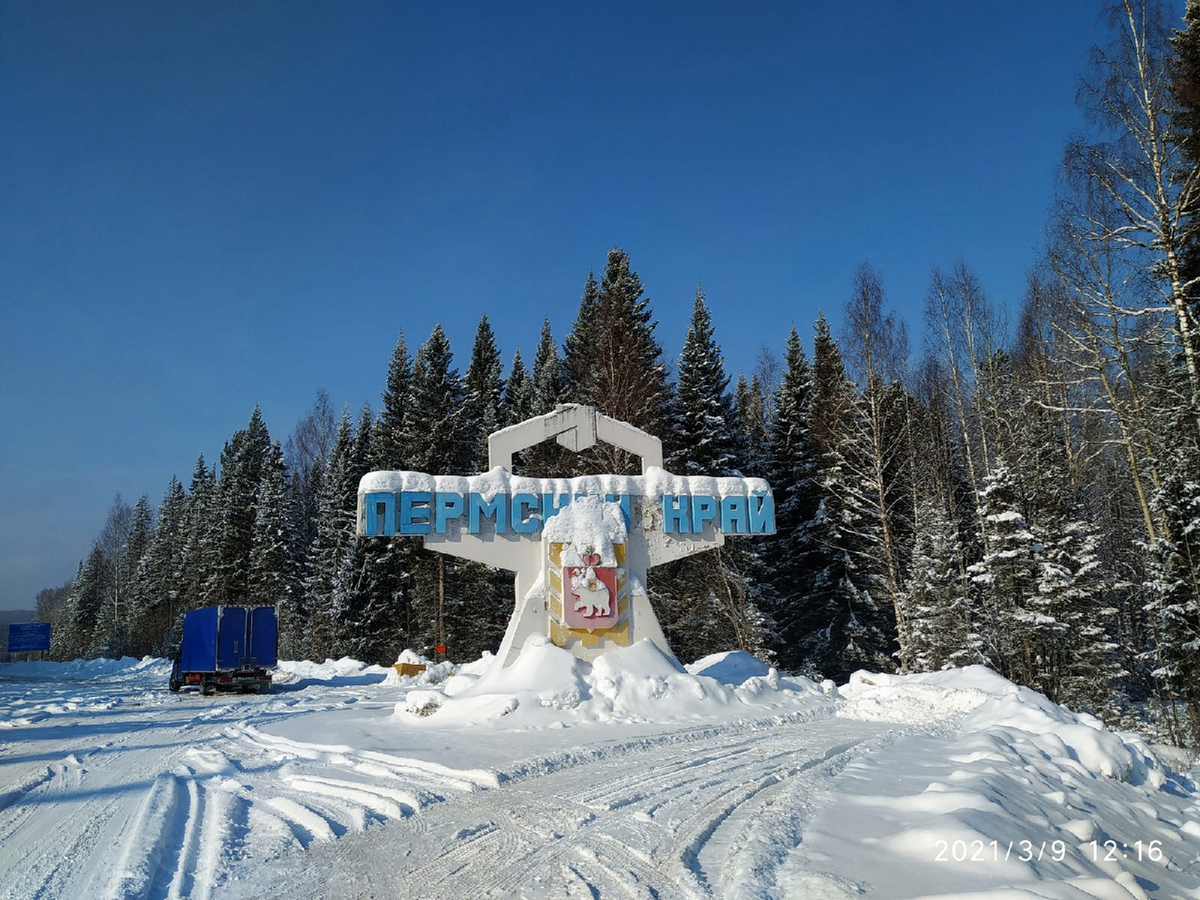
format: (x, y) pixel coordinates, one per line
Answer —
(982, 851)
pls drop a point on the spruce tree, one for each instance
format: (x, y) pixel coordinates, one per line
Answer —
(1008, 576)
(449, 598)
(550, 388)
(579, 347)
(614, 362)
(856, 625)
(391, 429)
(122, 637)
(89, 601)
(796, 557)
(519, 394)
(368, 616)
(549, 373)
(1172, 582)
(157, 588)
(754, 412)
(274, 567)
(201, 548)
(630, 376)
(242, 463)
(436, 430)
(483, 389)
(393, 557)
(1185, 134)
(941, 629)
(702, 439)
(329, 554)
(711, 601)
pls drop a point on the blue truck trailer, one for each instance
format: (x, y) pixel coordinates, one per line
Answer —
(230, 648)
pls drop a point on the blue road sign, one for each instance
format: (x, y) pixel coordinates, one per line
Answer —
(27, 637)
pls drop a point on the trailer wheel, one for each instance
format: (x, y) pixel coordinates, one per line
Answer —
(207, 688)
(173, 685)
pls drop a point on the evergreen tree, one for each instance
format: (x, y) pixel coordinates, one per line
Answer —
(435, 429)
(856, 629)
(702, 440)
(367, 614)
(89, 599)
(519, 394)
(1172, 584)
(1008, 575)
(108, 631)
(1185, 127)
(242, 463)
(942, 633)
(550, 388)
(274, 569)
(391, 430)
(328, 556)
(796, 558)
(614, 362)
(122, 638)
(201, 547)
(305, 453)
(579, 348)
(754, 412)
(483, 388)
(157, 590)
(392, 559)
(630, 378)
(710, 601)
(549, 373)
(449, 599)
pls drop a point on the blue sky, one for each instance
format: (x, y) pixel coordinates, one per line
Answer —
(208, 206)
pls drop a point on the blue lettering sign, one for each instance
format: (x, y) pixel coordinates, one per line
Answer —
(495, 509)
(552, 503)
(675, 515)
(28, 637)
(425, 512)
(447, 506)
(414, 512)
(704, 510)
(379, 513)
(734, 518)
(762, 514)
(522, 503)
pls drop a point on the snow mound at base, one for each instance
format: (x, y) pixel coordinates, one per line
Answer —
(547, 686)
(997, 712)
(732, 667)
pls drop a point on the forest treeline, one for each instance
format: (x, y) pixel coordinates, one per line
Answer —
(1021, 491)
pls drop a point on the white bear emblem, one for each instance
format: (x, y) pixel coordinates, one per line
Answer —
(594, 598)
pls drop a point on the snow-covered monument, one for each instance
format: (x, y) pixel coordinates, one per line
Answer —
(580, 547)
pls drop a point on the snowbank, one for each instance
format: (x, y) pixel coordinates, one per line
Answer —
(1024, 720)
(127, 667)
(1012, 796)
(548, 687)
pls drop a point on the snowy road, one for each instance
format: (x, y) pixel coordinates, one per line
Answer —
(118, 794)
(115, 790)
(637, 780)
(688, 813)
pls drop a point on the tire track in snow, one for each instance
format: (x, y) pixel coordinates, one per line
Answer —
(157, 782)
(679, 815)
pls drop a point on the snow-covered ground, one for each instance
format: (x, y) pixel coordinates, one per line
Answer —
(629, 777)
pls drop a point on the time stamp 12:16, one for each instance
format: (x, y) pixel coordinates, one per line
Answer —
(1036, 851)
